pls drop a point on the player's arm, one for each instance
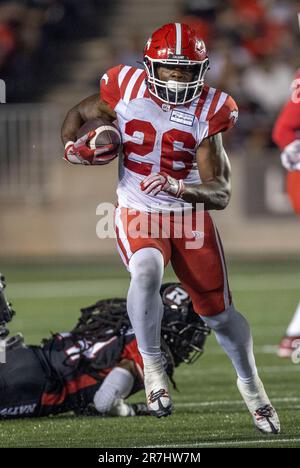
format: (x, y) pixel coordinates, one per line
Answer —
(215, 173)
(90, 108)
(109, 399)
(286, 134)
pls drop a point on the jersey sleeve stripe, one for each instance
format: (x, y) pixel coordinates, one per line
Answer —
(131, 84)
(126, 80)
(200, 102)
(141, 91)
(214, 104)
(221, 101)
(122, 74)
(146, 93)
(207, 104)
(137, 85)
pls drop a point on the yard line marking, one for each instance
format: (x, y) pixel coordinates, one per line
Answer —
(231, 402)
(265, 349)
(226, 370)
(226, 443)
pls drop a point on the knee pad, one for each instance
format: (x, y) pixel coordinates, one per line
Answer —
(147, 266)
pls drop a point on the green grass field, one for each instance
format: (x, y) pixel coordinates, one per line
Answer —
(209, 411)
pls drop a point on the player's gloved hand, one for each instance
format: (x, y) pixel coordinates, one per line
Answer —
(290, 157)
(161, 181)
(79, 152)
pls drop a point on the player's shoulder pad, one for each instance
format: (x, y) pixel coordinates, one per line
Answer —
(117, 81)
(109, 86)
(225, 116)
(111, 75)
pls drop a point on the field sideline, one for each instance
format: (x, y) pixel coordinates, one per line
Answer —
(209, 412)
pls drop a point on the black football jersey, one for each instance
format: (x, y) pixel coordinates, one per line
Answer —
(61, 375)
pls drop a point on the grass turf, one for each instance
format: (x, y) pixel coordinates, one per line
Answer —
(209, 411)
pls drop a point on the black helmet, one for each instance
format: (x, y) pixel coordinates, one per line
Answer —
(182, 329)
(6, 311)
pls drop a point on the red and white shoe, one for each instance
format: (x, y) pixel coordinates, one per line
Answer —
(157, 393)
(287, 345)
(264, 415)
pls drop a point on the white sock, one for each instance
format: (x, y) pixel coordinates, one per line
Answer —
(294, 326)
(233, 334)
(144, 303)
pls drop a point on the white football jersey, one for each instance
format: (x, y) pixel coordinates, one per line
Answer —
(158, 137)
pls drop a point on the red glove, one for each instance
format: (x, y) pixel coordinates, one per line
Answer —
(155, 183)
(79, 152)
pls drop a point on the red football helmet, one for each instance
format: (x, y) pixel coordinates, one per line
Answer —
(175, 44)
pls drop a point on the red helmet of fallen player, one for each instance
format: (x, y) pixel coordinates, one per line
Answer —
(175, 44)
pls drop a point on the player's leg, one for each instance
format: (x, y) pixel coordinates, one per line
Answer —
(204, 276)
(291, 340)
(144, 304)
(145, 310)
(145, 261)
(233, 333)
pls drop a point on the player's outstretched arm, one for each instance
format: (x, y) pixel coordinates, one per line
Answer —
(215, 173)
(90, 108)
(109, 399)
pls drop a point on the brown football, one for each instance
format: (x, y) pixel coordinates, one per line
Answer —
(107, 139)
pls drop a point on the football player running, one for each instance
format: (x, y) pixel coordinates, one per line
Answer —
(286, 134)
(171, 125)
(93, 368)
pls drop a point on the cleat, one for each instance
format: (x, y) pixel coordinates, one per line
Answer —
(264, 415)
(159, 402)
(266, 420)
(287, 346)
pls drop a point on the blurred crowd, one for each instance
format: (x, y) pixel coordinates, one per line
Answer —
(253, 47)
(32, 33)
(254, 51)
